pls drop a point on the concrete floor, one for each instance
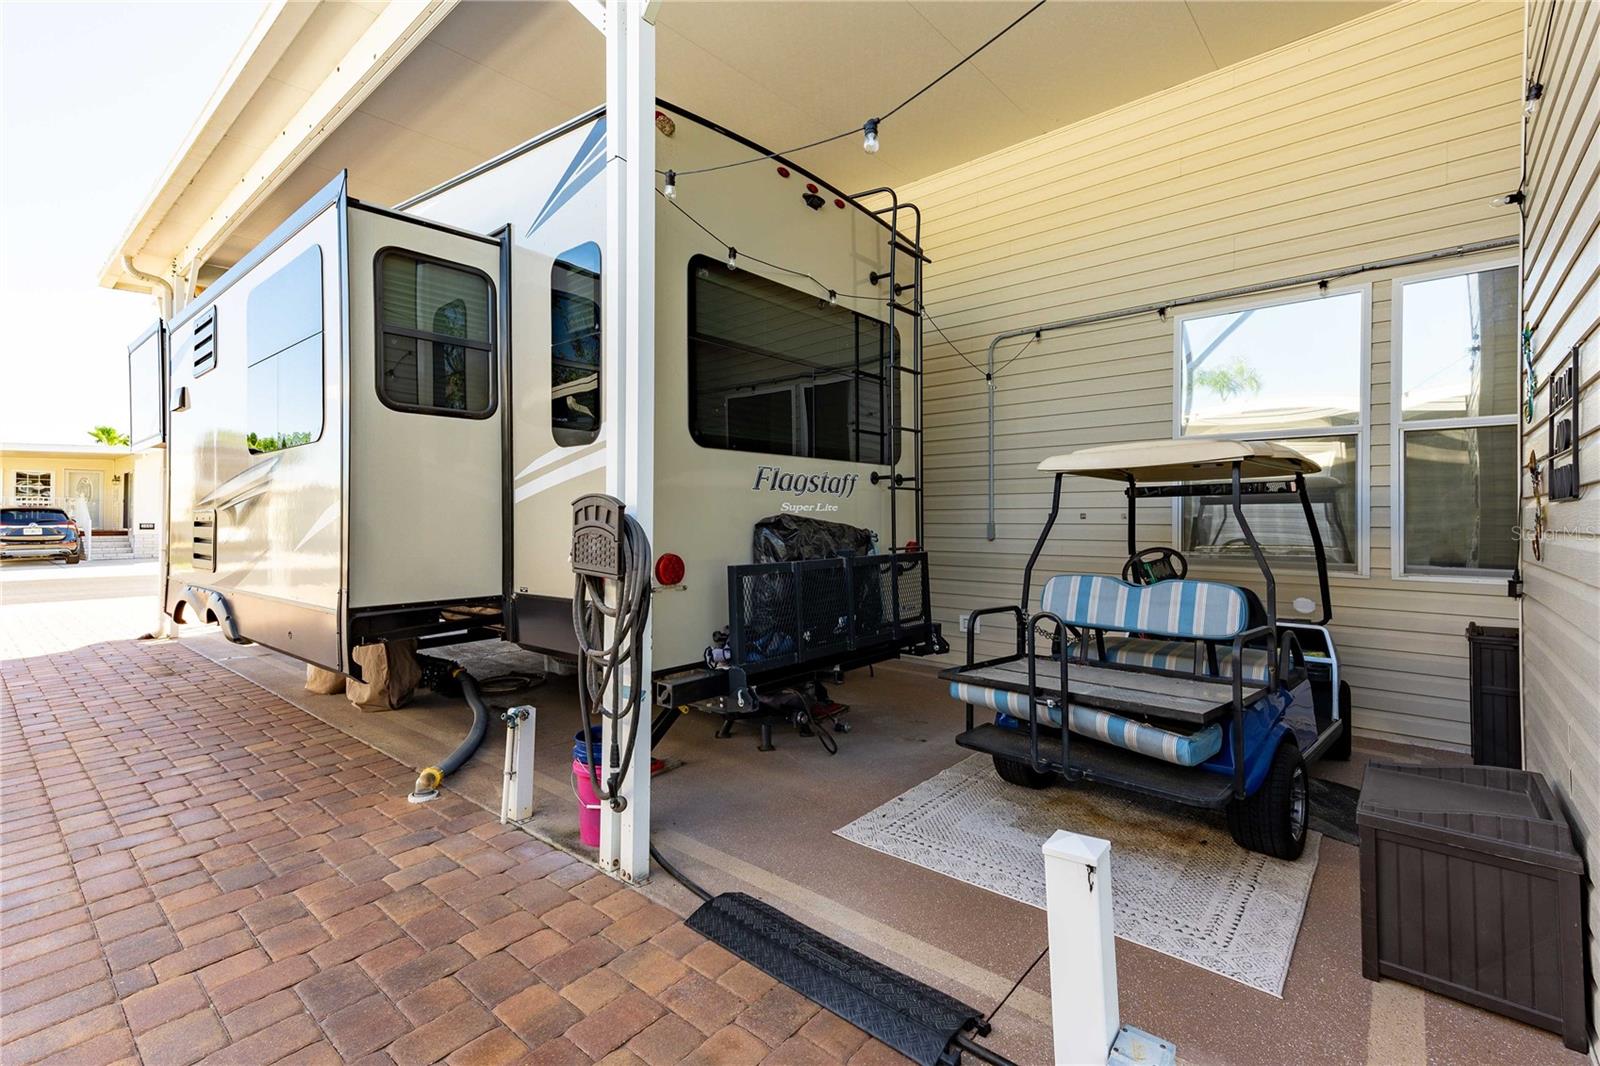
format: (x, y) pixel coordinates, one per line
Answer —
(735, 818)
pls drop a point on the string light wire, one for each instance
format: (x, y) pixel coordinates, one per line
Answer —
(854, 130)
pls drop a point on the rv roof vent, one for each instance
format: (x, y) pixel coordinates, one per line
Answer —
(205, 541)
(205, 341)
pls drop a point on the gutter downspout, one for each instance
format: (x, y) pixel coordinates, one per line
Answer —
(167, 302)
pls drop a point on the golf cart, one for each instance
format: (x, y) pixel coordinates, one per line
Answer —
(1192, 691)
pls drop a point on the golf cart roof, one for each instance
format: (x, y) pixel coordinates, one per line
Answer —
(1181, 460)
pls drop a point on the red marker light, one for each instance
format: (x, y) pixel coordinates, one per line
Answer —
(838, 203)
(669, 569)
(810, 187)
(783, 172)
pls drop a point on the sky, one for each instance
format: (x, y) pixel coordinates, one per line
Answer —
(95, 100)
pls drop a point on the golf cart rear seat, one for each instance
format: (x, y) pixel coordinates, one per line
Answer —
(1199, 609)
(1187, 613)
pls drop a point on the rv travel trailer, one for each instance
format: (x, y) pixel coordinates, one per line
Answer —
(378, 421)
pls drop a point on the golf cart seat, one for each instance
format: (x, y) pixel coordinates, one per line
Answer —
(1182, 610)
(1168, 745)
(1187, 657)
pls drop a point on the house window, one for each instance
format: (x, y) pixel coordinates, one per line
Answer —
(1456, 435)
(779, 371)
(283, 357)
(30, 487)
(575, 345)
(436, 336)
(1290, 371)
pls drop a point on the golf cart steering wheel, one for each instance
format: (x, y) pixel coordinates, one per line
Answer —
(1150, 565)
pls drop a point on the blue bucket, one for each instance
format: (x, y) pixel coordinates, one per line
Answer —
(589, 754)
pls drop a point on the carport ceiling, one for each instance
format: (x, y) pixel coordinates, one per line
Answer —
(493, 74)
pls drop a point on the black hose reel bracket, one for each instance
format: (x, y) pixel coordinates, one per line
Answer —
(597, 521)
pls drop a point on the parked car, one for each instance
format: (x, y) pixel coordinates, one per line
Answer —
(40, 533)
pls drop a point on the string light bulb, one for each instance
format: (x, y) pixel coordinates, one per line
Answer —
(671, 188)
(869, 143)
(733, 258)
(833, 298)
(1531, 98)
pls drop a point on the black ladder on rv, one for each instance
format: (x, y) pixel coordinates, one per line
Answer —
(891, 413)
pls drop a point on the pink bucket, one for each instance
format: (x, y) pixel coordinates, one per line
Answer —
(588, 804)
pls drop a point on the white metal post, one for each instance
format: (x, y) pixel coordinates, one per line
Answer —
(516, 791)
(628, 272)
(1083, 956)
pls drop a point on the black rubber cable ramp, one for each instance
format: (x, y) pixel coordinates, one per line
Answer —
(909, 1016)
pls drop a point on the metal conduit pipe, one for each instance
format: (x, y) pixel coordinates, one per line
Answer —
(1163, 306)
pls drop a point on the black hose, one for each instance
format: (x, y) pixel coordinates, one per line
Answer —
(979, 1052)
(480, 725)
(429, 778)
(678, 875)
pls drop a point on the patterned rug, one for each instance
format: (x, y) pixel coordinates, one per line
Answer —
(1182, 887)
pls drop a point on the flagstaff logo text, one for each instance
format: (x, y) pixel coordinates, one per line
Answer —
(773, 479)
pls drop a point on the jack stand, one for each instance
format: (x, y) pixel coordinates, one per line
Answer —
(516, 792)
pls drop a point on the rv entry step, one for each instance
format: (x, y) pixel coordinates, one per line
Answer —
(918, 1021)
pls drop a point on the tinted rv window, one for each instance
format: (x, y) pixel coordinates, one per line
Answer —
(436, 352)
(283, 353)
(776, 370)
(575, 345)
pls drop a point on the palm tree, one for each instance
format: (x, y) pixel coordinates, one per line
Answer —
(110, 435)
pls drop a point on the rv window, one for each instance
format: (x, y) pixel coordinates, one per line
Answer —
(776, 370)
(436, 352)
(283, 353)
(575, 345)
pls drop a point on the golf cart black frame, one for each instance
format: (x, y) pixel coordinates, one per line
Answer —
(1131, 771)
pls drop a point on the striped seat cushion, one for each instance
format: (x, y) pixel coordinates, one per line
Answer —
(1179, 655)
(1182, 749)
(1190, 610)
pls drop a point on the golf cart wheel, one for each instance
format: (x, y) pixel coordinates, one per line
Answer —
(1273, 821)
(75, 557)
(1339, 750)
(1020, 773)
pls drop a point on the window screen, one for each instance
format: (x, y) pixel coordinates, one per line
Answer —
(783, 372)
(575, 345)
(283, 356)
(436, 346)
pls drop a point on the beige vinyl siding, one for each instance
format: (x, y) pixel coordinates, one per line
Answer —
(1561, 301)
(1384, 137)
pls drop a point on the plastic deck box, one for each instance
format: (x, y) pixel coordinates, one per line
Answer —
(1496, 698)
(1470, 887)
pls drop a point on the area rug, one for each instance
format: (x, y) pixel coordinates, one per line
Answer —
(1181, 886)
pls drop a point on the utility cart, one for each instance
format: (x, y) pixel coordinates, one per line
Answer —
(1191, 691)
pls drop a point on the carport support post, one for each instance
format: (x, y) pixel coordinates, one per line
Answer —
(629, 277)
(1083, 957)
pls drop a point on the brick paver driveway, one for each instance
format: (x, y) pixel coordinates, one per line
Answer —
(194, 870)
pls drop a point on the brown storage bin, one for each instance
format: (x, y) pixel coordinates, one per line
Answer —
(1470, 887)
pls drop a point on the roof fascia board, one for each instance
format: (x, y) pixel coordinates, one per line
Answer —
(593, 10)
(271, 36)
(387, 42)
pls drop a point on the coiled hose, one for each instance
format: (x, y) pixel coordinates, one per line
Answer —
(431, 777)
(601, 662)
